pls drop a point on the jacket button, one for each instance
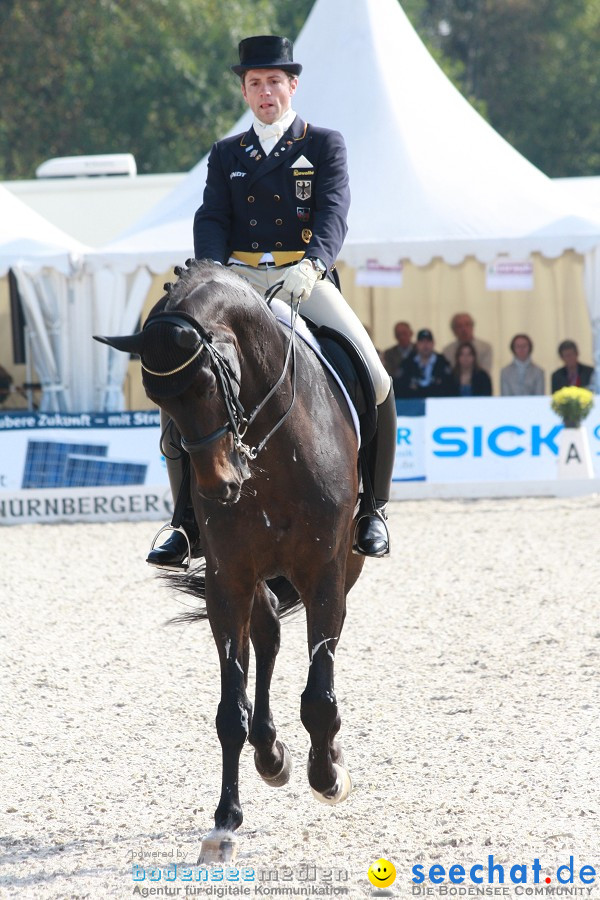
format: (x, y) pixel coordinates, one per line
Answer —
(250, 199)
(278, 244)
(279, 221)
(253, 221)
(255, 246)
(276, 197)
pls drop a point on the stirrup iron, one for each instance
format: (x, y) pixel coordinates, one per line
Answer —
(380, 514)
(184, 565)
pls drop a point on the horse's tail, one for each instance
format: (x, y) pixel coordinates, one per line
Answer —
(194, 584)
(286, 593)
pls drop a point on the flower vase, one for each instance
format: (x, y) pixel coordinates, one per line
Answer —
(574, 454)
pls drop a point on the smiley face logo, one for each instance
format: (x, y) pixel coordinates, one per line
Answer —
(382, 873)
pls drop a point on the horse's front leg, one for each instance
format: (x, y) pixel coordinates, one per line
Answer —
(271, 757)
(229, 606)
(325, 610)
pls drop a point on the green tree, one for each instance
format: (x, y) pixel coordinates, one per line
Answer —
(532, 66)
(145, 76)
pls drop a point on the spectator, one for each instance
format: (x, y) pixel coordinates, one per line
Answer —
(424, 373)
(394, 356)
(521, 377)
(5, 384)
(469, 379)
(573, 372)
(462, 326)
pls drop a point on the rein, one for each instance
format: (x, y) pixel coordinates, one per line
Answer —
(237, 421)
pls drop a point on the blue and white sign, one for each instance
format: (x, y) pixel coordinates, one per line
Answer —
(481, 439)
(410, 441)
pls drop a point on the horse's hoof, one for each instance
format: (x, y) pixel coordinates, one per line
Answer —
(283, 776)
(340, 790)
(217, 847)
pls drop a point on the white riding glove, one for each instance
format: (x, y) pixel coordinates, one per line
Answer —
(300, 279)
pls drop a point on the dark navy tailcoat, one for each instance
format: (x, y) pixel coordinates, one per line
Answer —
(294, 199)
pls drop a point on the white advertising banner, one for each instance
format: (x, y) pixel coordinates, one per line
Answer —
(81, 467)
(487, 439)
(106, 467)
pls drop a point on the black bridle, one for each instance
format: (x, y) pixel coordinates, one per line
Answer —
(229, 383)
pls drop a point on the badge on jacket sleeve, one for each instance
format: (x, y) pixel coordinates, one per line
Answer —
(303, 190)
(306, 235)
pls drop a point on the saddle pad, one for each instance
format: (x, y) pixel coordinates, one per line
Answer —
(283, 314)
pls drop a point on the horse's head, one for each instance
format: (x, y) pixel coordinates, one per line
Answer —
(194, 376)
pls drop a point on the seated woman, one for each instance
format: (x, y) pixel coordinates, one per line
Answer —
(469, 379)
(521, 377)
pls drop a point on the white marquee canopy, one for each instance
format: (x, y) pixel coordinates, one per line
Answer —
(64, 304)
(31, 242)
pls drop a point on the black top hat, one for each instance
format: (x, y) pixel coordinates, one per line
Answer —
(267, 52)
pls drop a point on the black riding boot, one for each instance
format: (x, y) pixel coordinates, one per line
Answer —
(372, 536)
(175, 553)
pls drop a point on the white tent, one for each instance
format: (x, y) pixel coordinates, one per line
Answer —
(30, 241)
(429, 177)
(44, 260)
(64, 304)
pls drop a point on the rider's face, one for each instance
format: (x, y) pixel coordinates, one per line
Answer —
(268, 93)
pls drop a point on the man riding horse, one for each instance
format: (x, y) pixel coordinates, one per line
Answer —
(274, 210)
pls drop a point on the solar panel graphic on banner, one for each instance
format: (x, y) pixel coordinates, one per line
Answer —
(97, 471)
(46, 460)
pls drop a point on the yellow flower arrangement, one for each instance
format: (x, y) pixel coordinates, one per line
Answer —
(572, 404)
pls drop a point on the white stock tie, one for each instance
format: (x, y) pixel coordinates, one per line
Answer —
(269, 135)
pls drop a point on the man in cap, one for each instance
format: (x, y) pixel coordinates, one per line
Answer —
(274, 210)
(425, 373)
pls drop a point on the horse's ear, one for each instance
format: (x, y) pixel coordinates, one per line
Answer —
(129, 343)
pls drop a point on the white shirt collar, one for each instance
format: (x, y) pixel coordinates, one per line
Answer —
(269, 134)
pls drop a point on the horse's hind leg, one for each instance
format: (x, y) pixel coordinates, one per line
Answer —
(319, 711)
(271, 757)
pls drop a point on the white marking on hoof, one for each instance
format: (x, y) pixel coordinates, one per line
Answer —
(218, 846)
(341, 789)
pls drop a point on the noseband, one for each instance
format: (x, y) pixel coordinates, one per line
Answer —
(229, 384)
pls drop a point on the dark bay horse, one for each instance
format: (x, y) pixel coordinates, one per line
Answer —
(279, 513)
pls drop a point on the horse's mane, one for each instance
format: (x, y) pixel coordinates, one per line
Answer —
(213, 280)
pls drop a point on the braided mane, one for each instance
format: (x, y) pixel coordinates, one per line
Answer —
(195, 274)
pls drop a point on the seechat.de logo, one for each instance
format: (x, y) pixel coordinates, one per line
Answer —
(520, 874)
